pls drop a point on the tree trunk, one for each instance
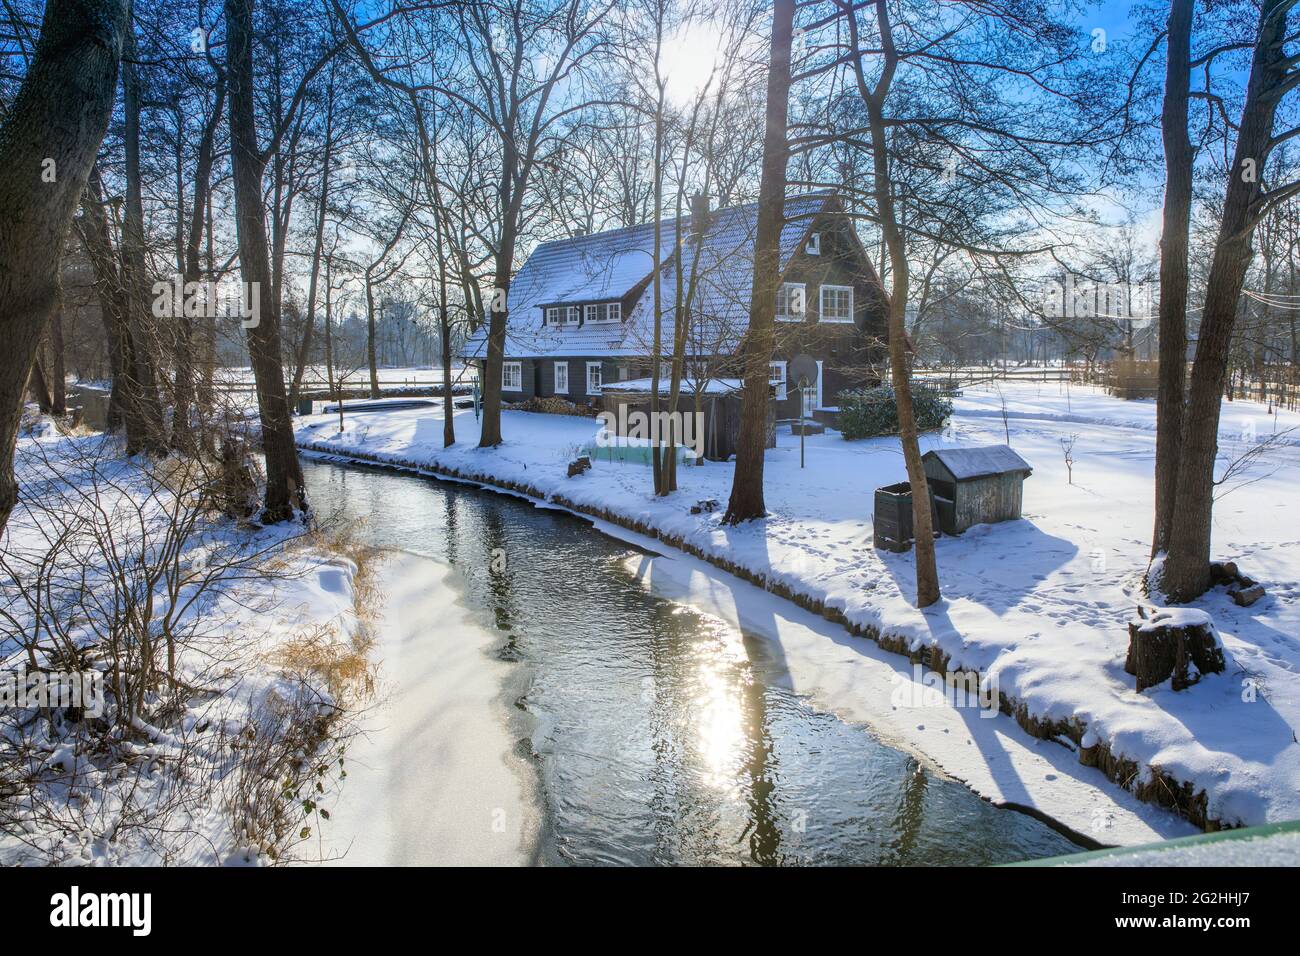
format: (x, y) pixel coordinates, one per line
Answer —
(444, 336)
(497, 314)
(322, 208)
(135, 275)
(1186, 573)
(284, 484)
(1173, 269)
(927, 572)
(38, 384)
(371, 360)
(746, 502)
(182, 430)
(52, 128)
(58, 370)
(114, 307)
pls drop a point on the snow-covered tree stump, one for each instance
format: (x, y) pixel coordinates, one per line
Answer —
(1175, 644)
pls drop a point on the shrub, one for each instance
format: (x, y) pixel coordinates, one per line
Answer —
(866, 413)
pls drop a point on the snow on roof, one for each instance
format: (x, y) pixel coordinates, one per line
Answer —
(608, 265)
(716, 386)
(967, 463)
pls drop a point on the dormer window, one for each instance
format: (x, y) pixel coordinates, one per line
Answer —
(589, 313)
(814, 246)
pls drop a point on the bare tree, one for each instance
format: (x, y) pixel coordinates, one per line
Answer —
(285, 490)
(1186, 573)
(48, 141)
(747, 502)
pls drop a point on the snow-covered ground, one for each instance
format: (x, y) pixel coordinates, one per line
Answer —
(435, 779)
(253, 612)
(1039, 606)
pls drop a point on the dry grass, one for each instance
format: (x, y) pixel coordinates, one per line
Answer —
(344, 668)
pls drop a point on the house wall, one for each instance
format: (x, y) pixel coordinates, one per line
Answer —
(577, 391)
(851, 355)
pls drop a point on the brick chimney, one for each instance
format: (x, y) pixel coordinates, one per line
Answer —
(699, 215)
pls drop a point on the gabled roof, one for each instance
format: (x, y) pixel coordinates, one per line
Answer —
(967, 463)
(610, 265)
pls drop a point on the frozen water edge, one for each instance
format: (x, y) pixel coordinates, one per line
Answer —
(434, 779)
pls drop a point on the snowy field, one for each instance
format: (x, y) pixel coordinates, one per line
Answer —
(316, 376)
(1040, 606)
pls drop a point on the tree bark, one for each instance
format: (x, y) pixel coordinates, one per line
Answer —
(126, 400)
(54, 125)
(746, 502)
(927, 572)
(285, 491)
(371, 361)
(1173, 269)
(1186, 573)
(58, 368)
(135, 276)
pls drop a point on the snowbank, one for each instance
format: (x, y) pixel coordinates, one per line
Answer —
(434, 779)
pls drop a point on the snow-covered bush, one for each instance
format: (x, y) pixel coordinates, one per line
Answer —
(866, 413)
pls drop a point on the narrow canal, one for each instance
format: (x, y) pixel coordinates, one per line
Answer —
(659, 735)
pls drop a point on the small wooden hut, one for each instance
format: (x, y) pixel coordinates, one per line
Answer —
(975, 485)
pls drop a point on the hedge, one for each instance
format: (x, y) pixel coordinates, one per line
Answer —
(866, 413)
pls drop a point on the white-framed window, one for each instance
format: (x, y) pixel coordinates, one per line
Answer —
(790, 302)
(592, 313)
(553, 315)
(778, 379)
(837, 303)
(812, 396)
(572, 314)
(561, 378)
(593, 378)
(814, 246)
(512, 376)
(616, 312)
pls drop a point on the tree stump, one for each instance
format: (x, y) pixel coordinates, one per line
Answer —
(1175, 644)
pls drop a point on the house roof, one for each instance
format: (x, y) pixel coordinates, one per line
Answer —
(967, 463)
(609, 265)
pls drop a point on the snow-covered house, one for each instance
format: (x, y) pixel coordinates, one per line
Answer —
(581, 310)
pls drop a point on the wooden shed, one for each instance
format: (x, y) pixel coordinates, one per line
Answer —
(975, 485)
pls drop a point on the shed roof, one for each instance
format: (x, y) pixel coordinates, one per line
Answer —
(714, 386)
(967, 463)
